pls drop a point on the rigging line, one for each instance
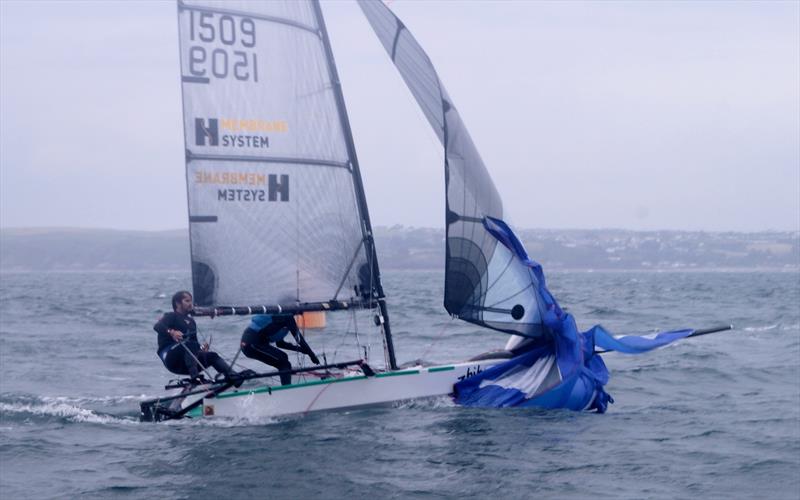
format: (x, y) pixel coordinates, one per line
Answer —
(509, 297)
(308, 408)
(379, 312)
(437, 338)
(206, 340)
(298, 356)
(368, 347)
(288, 235)
(352, 324)
(301, 357)
(201, 365)
(372, 278)
(343, 337)
(297, 246)
(349, 267)
(382, 322)
(233, 363)
(358, 340)
(210, 338)
(359, 346)
(371, 258)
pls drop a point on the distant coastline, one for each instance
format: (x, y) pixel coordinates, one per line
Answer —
(399, 247)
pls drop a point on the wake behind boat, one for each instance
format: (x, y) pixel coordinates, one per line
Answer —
(279, 224)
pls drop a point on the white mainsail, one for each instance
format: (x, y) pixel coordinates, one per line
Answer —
(275, 212)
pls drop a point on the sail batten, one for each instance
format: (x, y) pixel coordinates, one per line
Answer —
(267, 159)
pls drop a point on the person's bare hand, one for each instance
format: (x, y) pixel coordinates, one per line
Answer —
(176, 335)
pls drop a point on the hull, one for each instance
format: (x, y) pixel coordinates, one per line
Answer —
(339, 393)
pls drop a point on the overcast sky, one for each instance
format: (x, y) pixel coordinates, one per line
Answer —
(639, 115)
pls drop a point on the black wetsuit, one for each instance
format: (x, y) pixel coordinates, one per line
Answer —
(179, 357)
(256, 343)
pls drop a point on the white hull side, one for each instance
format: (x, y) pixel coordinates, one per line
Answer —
(347, 392)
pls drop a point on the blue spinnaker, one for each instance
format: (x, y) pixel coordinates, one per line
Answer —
(635, 344)
(560, 369)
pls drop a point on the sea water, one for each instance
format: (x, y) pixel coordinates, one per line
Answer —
(712, 417)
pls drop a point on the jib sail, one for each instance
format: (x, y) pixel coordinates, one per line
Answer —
(486, 281)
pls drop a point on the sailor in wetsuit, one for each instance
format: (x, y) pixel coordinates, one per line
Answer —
(266, 329)
(178, 347)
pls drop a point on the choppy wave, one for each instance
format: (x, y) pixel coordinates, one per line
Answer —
(784, 327)
(763, 328)
(65, 409)
(433, 403)
(605, 312)
(241, 421)
(691, 412)
(78, 410)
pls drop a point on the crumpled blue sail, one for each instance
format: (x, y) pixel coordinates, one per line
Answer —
(559, 370)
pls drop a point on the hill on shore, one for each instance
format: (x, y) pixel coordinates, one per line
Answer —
(64, 249)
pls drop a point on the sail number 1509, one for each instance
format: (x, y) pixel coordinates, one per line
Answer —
(225, 61)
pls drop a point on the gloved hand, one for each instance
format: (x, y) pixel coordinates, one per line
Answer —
(313, 357)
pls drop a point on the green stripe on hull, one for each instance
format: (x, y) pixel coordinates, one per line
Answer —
(271, 389)
(397, 374)
(441, 369)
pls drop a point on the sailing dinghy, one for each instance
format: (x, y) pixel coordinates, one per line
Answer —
(279, 224)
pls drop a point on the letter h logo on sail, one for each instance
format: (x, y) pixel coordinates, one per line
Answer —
(203, 132)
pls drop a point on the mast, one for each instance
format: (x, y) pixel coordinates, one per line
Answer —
(366, 226)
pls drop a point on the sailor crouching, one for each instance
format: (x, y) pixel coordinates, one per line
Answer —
(178, 347)
(266, 329)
